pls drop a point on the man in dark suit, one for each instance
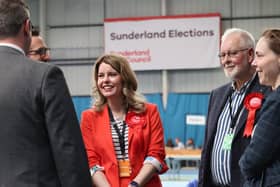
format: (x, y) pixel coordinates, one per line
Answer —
(40, 139)
(224, 138)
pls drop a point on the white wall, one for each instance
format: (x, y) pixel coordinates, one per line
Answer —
(75, 35)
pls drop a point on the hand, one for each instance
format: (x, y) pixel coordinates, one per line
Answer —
(133, 184)
(100, 180)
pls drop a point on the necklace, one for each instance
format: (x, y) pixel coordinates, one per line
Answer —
(119, 117)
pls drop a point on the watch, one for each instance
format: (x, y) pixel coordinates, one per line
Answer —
(95, 168)
(134, 184)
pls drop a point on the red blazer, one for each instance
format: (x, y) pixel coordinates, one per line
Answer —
(146, 138)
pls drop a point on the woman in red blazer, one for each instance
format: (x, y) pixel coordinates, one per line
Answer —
(123, 134)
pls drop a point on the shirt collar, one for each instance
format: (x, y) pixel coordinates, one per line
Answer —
(12, 46)
(244, 87)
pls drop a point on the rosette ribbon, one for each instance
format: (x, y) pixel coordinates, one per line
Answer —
(135, 120)
(136, 123)
(252, 102)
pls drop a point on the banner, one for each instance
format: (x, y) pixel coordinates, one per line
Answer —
(166, 42)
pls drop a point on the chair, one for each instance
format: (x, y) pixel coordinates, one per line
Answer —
(193, 183)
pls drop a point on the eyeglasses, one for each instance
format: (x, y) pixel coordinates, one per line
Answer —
(231, 54)
(40, 51)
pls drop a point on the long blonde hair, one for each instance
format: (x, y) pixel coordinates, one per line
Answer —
(131, 97)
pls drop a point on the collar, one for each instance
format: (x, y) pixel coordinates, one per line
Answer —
(245, 85)
(12, 46)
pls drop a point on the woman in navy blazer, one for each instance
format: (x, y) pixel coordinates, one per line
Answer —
(260, 163)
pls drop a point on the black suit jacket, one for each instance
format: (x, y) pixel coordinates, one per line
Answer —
(218, 98)
(40, 139)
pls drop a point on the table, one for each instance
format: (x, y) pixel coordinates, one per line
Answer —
(175, 156)
(183, 154)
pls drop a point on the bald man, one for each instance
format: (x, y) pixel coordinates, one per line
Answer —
(38, 49)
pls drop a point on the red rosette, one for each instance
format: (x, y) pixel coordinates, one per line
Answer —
(252, 102)
(135, 120)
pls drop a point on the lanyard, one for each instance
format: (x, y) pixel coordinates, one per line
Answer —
(120, 134)
(235, 117)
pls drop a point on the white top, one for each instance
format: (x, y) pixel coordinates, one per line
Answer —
(12, 46)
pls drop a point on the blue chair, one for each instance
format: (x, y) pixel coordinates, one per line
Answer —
(193, 183)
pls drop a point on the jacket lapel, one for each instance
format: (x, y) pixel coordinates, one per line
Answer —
(219, 102)
(104, 120)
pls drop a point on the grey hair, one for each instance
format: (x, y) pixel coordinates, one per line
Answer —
(248, 38)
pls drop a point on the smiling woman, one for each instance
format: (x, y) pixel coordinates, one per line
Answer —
(116, 65)
(267, 60)
(258, 167)
(109, 82)
(133, 151)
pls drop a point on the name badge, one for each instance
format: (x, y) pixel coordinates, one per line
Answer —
(227, 142)
(124, 168)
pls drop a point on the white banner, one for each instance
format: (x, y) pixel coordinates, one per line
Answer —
(173, 42)
(195, 120)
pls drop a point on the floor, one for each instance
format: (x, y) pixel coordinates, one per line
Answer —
(180, 179)
(174, 184)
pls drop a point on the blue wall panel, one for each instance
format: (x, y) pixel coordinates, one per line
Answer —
(81, 104)
(173, 118)
(178, 106)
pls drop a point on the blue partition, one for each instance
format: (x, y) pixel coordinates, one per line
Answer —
(180, 105)
(173, 118)
(81, 103)
(156, 99)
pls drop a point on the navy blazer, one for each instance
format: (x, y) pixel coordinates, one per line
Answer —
(40, 139)
(218, 98)
(260, 162)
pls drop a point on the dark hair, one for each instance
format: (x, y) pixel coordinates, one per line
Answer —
(273, 38)
(169, 143)
(13, 13)
(35, 31)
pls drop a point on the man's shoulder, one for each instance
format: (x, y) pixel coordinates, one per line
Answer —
(42, 68)
(221, 88)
